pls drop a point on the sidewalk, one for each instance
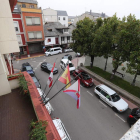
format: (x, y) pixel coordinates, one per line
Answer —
(31, 56)
(132, 101)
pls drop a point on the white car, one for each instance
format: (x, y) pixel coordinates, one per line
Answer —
(64, 63)
(111, 98)
(53, 51)
(48, 105)
(61, 129)
(78, 54)
(68, 50)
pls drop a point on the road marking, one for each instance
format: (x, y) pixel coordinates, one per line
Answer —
(89, 93)
(102, 103)
(120, 117)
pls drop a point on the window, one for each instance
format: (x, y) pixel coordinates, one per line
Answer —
(65, 30)
(103, 93)
(68, 37)
(62, 38)
(98, 89)
(58, 18)
(38, 35)
(23, 5)
(49, 39)
(33, 20)
(63, 18)
(19, 39)
(31, 6)
(16, 26)
(35, 35)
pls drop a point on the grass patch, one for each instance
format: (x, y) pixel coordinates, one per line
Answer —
(117, 81)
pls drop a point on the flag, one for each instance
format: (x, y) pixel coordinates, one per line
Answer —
(74, 92)
(65, 77)
(50, 79)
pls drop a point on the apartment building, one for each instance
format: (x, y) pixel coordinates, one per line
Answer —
(8, 44)
(33, 25)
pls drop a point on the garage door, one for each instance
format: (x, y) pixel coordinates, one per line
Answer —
(36, 47)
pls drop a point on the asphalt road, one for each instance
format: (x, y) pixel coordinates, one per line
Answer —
(95, 120)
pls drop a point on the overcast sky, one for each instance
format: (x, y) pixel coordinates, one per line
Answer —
(109, 7)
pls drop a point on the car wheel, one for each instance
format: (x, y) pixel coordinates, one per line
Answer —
(98, 96)
(82, 84)
(115, 109)
(49, 55)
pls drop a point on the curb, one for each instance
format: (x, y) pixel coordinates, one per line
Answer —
(123, 93)
(31, 57)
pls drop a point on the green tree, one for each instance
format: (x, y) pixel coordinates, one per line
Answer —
(83, 37)
(130, 41)
(103, 39)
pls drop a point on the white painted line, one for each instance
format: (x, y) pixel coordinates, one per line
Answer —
(35, 68)
(120, 117)
(89, 93)
(102, 103)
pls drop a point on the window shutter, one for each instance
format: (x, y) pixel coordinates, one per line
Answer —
(28, 20)
(31, 35)
(39, 34)
(37, 20)
(19, 39)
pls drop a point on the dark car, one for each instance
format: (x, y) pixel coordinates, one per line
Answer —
(36, 81)
(27, 67)
(85, 79)
(67, 56)
(134, 116)
(48, 67)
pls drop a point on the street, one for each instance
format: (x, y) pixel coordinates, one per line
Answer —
(94, 120)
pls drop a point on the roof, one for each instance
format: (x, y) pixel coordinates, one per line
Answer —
(28, 1)
(55, 26)
(71, 17)
(61, 13)
(109, 90)
(102, 15)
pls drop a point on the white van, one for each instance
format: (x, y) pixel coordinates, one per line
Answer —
(53, 51)
(61, 129)
(64, 63)
(48, 105)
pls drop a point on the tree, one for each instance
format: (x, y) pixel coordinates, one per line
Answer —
(130, 41)
(83, 37)
(103, 39)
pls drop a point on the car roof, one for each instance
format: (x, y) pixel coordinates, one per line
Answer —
(66, 60)
(109, 90)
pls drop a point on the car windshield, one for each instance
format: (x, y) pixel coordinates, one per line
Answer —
(115, 97)
(65, 57)
(28, 68)
(34, 79)
(86, 77)
(48, 50)
(70, 65)
(49, 66)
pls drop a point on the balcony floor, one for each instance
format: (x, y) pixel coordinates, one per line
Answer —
(16, 113)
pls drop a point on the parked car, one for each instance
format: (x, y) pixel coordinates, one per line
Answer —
(64, 63)
(85, 79)
(48, 105)
(68, 50)
(67, 56)
(111, 98)
(53, 51)
(47, 67)
(36, 81)
(134, 116)
(61, 129)
(78, 54)
(27, 67)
